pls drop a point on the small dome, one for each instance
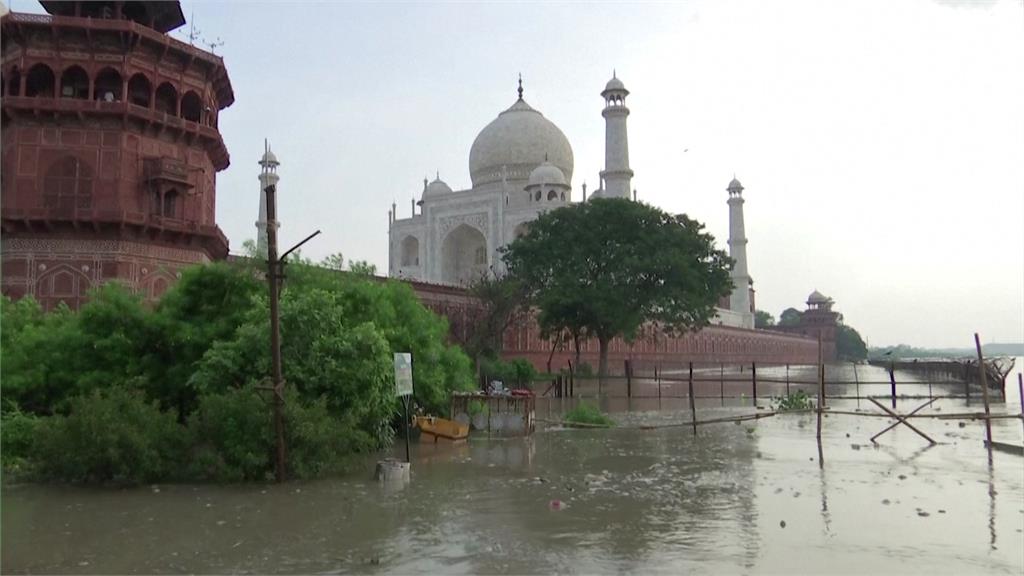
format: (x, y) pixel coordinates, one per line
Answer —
(269, 159)
(817, 298)
(547, 173)
(735, 185)
(436, 188)
(614, 84)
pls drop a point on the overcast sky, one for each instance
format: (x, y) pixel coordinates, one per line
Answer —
(881, 144)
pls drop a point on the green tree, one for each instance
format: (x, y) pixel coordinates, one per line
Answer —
(849, 344)
(363, 268)
(501, 298)
(789, 317)
(334, 261)
(763, 319)
(613, 265)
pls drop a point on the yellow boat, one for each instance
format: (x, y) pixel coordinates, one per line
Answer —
(434, 429)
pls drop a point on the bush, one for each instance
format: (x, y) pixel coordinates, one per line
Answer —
(516, 371)
(112, 434)
(234, 436)
(584, 413)
(17, 433)
(319, 443)
(798, 400)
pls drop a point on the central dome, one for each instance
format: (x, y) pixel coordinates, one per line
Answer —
(515, 143)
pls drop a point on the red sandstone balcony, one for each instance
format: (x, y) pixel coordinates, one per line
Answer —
(221, 82)
(209, 237)
(215, 143)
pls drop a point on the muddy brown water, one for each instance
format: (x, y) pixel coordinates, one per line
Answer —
(748, 498)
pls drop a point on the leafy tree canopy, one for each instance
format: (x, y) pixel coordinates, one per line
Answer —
(607, 266)
(763, 319)
(789, 317)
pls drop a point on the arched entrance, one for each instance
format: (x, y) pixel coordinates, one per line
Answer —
(463, 255)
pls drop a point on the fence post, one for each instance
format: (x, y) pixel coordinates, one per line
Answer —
(572, 384)
(857, 379)
(753, 380)
(892, 385)
(984, 390)
(629, 380)
(787, 379)
(693, 407)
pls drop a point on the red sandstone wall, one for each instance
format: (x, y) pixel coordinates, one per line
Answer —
(714, 344)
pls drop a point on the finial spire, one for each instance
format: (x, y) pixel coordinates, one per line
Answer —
(437, 174)
(614, 74)
(520, 86)
(545, 156)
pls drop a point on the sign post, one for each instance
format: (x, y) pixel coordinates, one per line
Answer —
(403, 388)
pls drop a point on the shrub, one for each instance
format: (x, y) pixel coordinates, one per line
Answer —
(516, 371)
(798, 400)
(319, 443)
(584, 413)
(17, 433)
(234, 435)
(112, 434)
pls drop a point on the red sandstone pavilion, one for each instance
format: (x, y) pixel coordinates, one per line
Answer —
(110, 150)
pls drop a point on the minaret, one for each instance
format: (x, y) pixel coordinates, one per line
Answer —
(616, 173)
(739, 300)
(268, 177)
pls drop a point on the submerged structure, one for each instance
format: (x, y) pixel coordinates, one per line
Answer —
(111, 150)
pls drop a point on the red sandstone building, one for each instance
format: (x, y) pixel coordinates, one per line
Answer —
(110, 149)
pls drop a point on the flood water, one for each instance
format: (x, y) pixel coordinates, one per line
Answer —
(746, 498)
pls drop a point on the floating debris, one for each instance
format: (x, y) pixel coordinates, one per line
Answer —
(782, 524)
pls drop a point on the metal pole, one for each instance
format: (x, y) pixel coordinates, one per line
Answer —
(787, 379)
(693, 407)
(984, 390)
(856, 379)
(274, 277)
(405, 402)
(892, 385)
(753, 380)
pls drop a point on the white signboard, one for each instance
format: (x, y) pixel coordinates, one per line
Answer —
(403, 374)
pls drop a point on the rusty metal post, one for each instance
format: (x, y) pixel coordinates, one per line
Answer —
(892, 385)
(693, 407)
(753, 380)
(984, 390)
(274, 278)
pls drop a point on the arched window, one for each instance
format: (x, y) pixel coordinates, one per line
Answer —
(480, 257)
(74, 83)
(167, 99)
(39, 81)
(139, 90)
(108, 86)
(410, 251)
(14, 82)
(191, 107)
(171, 203)
(563, 196)
(67, 186)
(537, 196)
(552, 195)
